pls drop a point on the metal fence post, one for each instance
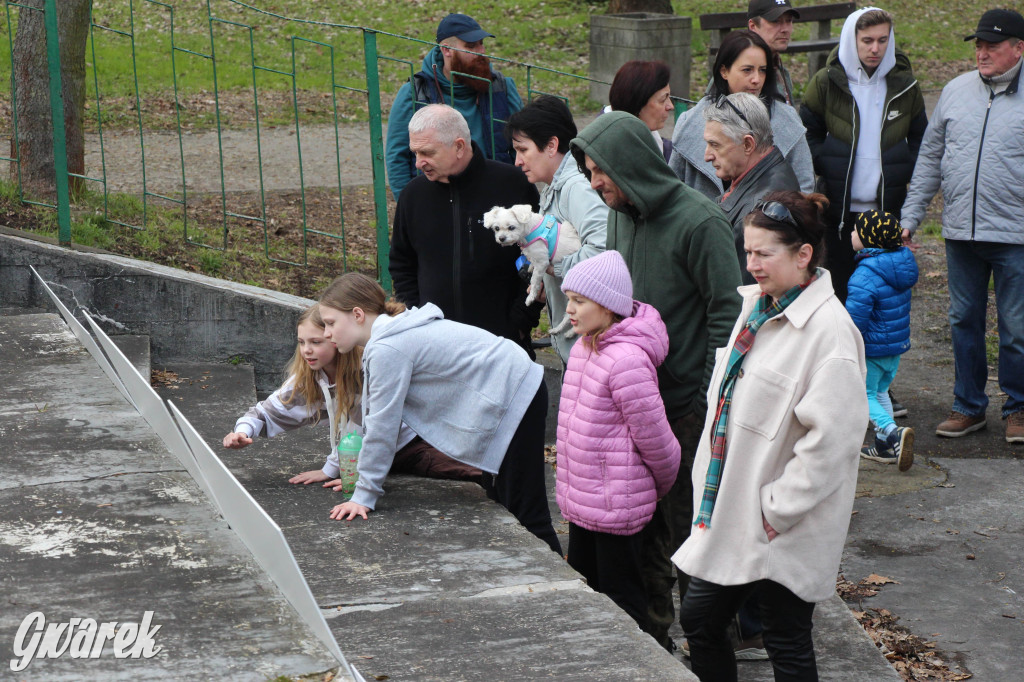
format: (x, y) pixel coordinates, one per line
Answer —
(60, 148)
(377, 156)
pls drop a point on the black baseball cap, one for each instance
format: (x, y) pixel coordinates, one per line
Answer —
(770, 9)
(996, 25)
(462, 27)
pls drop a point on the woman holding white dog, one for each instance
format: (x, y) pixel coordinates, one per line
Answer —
(540, 134)
(616, 452)
(776, 470)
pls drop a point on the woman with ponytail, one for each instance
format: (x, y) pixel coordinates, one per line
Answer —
(775, 472)
(476, 397)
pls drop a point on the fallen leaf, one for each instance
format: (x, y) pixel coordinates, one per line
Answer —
(875, 579)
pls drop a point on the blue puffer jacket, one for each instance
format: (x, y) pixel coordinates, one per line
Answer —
(879, 299)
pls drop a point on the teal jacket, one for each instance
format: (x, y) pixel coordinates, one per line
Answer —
(679, 249)
(476, 109)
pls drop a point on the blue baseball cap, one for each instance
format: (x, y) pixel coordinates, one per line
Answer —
(462, 27)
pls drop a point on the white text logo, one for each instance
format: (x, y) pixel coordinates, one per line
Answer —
(82, 638)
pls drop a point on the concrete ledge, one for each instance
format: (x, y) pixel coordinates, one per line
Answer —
(98, 520)
(440, 582)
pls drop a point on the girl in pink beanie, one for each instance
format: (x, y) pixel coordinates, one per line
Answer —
(616, 453)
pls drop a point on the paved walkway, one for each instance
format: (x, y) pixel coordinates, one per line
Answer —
(323, 153)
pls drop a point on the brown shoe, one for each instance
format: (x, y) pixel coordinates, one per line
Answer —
(958, 424)
(1015, 427)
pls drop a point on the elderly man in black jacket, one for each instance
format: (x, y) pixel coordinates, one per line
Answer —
(440, 251)
(738, 134)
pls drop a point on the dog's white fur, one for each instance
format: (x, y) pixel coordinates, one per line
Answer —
(512, 225)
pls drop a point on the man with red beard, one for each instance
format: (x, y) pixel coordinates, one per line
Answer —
(457, 66)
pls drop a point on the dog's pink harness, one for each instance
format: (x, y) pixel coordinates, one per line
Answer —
(547, 231)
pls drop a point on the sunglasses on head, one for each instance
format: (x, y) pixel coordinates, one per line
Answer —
(777, 212)
(723, 100)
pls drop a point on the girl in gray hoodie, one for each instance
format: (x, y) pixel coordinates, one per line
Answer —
(474, 396)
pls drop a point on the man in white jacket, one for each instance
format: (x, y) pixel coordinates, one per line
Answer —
(972, 149)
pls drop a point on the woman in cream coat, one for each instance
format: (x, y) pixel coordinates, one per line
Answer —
(776, 469)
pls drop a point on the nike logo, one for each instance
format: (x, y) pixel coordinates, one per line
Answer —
(893, 115)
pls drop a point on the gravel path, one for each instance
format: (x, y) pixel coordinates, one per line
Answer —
(280, 159)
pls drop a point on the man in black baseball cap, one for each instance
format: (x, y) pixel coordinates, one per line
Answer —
(459, 67)
(773, 21)
(997, 41)
(972, 152)
(996, 25)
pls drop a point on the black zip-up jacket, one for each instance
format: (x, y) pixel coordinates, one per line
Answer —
(441, 252)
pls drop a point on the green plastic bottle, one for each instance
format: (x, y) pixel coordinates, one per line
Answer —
(348, 461)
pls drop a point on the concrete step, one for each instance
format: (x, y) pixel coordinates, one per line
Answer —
(98, 520)
(440, 582)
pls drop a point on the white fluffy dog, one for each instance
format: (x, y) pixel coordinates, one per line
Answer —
(542, 239)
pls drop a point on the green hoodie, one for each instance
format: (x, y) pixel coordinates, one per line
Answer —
(680, 252)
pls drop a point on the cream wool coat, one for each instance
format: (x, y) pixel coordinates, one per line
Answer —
(793, 441)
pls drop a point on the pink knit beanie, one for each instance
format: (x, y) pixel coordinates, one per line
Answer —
(604, 279)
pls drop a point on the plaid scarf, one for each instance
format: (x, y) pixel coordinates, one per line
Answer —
(765, 309)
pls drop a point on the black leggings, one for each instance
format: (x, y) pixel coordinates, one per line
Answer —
(708, 609)
(611, 565)
(520, 486)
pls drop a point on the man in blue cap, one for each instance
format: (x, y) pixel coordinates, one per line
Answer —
(483, 96)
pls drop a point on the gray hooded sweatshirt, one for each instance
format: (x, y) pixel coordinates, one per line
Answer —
(460, 388)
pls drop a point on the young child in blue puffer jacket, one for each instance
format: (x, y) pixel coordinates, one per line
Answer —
(879, 303)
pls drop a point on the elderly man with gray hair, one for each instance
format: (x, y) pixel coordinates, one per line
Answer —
(440, 251)
(741, 149)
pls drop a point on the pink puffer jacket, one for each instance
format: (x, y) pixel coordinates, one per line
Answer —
(616, 453)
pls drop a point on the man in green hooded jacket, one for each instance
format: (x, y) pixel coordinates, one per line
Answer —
(679, 249)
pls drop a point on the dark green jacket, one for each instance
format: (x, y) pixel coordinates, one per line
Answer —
(829, 113)
(678, 246)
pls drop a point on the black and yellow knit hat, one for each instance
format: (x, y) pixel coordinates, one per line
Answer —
(879, 230)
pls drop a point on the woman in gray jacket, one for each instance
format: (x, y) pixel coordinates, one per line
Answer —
(540, 134)
(484, 405)
(744, 64)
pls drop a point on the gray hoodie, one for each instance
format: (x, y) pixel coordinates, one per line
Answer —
(460, 388)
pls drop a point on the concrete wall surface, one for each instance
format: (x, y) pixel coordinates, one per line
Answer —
(187, 316)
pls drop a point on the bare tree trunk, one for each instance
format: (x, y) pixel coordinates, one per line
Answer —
(627, 6)
(34, 144)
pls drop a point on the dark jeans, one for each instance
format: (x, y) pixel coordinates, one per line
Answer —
(970, 266)
(839, 255)
(611, 565)
(667, 531)
(708, 609)
(519, 485)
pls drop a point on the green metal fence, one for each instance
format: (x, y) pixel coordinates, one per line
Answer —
(304, 51)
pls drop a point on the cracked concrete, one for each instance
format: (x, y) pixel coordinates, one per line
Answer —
(98, 521)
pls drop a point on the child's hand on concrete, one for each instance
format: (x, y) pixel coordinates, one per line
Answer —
(236, 440)
(348, 511)
(307, 477)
